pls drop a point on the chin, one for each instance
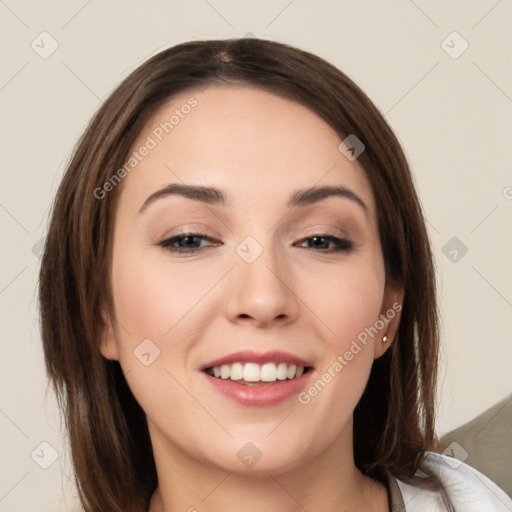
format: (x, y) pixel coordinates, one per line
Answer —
(260, 454)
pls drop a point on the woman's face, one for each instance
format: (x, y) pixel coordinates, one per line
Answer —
(267, 284)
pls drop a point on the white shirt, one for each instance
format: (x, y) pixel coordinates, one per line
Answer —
(468, 489)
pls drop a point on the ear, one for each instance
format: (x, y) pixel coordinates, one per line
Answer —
(390, 314)
(108, 343)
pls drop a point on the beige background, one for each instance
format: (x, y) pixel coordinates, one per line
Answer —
(453, 115)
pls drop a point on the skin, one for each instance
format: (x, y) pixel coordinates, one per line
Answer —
(258, 148)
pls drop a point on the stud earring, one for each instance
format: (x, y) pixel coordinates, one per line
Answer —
(384, 339)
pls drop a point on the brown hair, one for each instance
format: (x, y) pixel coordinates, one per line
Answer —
(108, 434)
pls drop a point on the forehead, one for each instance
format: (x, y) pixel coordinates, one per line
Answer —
(252, 143)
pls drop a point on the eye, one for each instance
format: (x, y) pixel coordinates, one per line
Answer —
(321, 240)
(186, 243)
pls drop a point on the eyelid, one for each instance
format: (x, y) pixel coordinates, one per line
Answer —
(330, 229)
(191, 229)
(320, 230)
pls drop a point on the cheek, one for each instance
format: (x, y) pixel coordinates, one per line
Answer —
(169, 307)
(347, 299)
(348, 302)
(153, 307)
(153, 299)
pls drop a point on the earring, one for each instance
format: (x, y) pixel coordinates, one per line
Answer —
(384, 339)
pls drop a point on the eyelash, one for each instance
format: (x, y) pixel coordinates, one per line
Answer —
(342, 244)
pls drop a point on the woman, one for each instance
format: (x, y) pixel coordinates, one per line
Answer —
(238, 300)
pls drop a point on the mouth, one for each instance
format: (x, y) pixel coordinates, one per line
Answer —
(254, 374)
(258, 380)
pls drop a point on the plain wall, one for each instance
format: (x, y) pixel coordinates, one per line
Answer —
(453, 116)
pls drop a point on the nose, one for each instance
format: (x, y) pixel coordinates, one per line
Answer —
(261, 292)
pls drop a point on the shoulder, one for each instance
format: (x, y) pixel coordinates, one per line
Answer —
(468, 489)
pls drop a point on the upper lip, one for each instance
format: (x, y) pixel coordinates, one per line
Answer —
(250, 356)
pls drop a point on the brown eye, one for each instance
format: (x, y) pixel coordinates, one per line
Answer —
(322, 242)
(186, 243)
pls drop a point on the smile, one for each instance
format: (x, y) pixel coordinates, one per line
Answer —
(257, 374)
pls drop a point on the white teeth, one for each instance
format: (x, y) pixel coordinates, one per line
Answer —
(253, 372)
(291, 371)
(225, 371)
(237, 371)
(268, 372)
(282, 371)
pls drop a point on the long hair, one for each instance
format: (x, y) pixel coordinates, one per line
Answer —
(108, 435)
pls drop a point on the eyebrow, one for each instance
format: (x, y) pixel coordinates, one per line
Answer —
(215, 196)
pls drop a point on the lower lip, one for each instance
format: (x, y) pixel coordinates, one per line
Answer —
(264, 395)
